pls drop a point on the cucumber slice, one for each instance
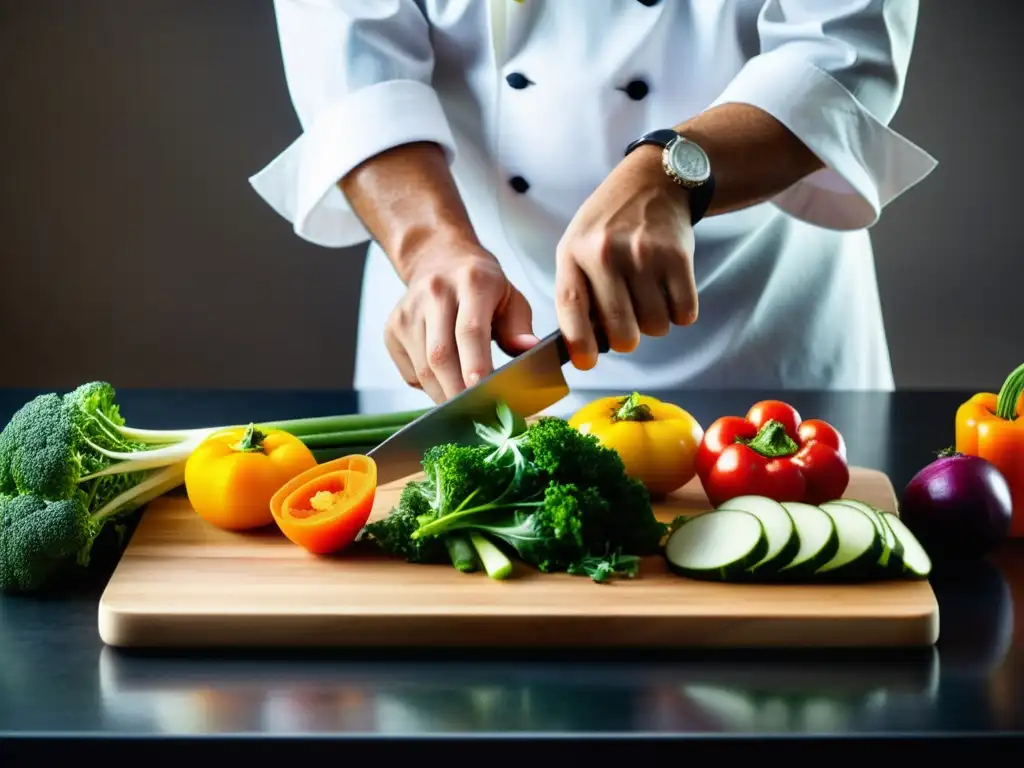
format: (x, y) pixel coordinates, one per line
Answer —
(783, 543)
(895, 566)
(916, 562)
(816, 532)
(720, 545)
(860, 544)
(891, 549)
(867, 509)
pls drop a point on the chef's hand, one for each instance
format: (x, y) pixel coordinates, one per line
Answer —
(627, 260)
(440, 333)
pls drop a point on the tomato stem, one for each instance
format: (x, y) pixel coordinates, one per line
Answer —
(771, 441)
(631, 409)
(251, 442)
(1009, 394)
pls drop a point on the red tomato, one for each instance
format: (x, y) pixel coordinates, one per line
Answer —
(816, 430)
(824, 470)
(721, 434)
(767, 410)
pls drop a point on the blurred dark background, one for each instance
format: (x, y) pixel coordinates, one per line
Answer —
(133, 248)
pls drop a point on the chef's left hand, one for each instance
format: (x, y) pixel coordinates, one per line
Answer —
(627, 259)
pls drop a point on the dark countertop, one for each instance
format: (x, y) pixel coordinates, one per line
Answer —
(57, 679)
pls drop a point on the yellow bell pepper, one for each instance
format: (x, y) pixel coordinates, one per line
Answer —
(657, 441)
(231, 476)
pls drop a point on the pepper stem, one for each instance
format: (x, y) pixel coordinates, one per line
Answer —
(1009, 394)
(251, 442)
(771, 441)
(631, 409)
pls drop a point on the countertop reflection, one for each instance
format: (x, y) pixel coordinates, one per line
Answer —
(838, 693)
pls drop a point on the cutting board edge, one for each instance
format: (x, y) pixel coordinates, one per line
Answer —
(128, 629)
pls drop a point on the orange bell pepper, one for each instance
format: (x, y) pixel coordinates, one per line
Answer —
(323, 509)
(991, 426)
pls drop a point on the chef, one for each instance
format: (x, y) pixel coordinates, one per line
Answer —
(698, 177)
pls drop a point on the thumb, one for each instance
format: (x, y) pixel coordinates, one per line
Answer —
(513, 324)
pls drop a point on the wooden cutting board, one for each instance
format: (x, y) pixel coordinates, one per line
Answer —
(182, 583)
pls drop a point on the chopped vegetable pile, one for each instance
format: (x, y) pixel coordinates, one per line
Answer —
(69, 465)
(546, 494)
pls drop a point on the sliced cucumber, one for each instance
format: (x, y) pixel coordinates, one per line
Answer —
(783, 543)
(719, 545)
(916, 562)
(892, 550)
(819, 541)
(860, 543)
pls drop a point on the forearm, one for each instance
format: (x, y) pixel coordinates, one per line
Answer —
(753, 156)
(407, 199)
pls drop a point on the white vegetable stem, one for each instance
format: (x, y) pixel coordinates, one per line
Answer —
(493, 559)
(161, 436)
(136, 461)
(157, 485)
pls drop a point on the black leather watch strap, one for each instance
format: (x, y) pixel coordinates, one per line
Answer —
(700, 199)
(661, 137)
(700, 196)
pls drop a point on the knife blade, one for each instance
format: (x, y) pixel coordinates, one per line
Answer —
(527, 384)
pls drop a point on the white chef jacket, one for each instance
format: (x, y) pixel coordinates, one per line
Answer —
(534, 102)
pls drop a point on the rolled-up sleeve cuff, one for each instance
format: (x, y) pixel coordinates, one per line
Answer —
(867, 164)
(301, 183)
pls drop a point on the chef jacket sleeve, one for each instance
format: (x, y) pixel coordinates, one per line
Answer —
(359, 76)
(833, 73)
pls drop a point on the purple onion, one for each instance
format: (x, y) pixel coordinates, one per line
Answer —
(958, 507)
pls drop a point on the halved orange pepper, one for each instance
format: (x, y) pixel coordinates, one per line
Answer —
(992, 426)
(324, 508)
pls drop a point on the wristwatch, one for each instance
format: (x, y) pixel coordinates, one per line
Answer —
(686, 164)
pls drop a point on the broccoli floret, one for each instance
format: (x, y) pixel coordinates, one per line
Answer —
(37, 452)
(393, 534)
(35, 546)
(38, 537)
(625, 521)
(460, 476)
(560, 450)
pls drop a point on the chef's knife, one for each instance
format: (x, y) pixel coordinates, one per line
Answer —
(527, 384)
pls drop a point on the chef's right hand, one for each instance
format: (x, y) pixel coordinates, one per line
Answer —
(440, 333)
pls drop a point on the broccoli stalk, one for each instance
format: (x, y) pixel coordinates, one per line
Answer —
(495, 563)
(462, 553)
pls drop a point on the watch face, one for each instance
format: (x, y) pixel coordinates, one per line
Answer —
(688, 161)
